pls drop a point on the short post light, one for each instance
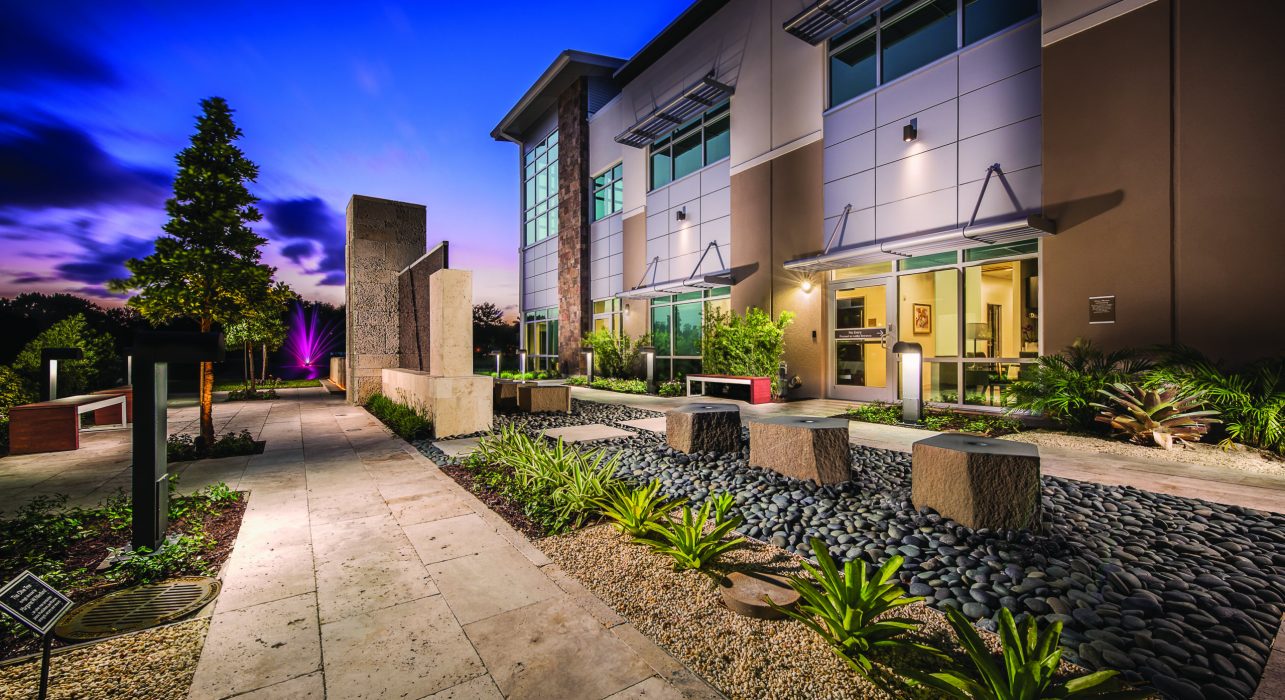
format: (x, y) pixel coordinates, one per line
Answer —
(521, 364)
(588, 364)
(49, 357)
(912, 388)
(649, 359)
(497, 355)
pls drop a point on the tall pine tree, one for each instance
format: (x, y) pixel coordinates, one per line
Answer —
(207, 266)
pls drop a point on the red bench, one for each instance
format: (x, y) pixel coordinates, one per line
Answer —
(54, 426)
(108, 416)
(760, 387)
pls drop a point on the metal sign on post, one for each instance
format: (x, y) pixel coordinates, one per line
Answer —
(153, 351)
(38, 606)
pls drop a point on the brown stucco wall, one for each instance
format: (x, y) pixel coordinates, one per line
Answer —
(412, 308)
(1161, 164)
(777, 216)
(634, 252)
(575, 315)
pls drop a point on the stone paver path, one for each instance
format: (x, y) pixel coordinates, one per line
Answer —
(586, 433)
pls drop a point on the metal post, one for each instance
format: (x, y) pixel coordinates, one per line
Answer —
(44, 665)
(151, 464)
(129, 370)
(521, 364)
(649, 355)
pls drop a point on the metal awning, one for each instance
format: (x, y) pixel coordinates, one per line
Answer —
(824, 19)
(1016, 227)
(649, 288)
(692, 102)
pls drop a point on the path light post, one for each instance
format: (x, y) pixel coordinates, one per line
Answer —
(588, 363)
(912, 387)
(497, 355)
(154, 351)
(649, 358)
(522, 364)
(49, 358)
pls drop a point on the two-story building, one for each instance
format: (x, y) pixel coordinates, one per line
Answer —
(988, 178)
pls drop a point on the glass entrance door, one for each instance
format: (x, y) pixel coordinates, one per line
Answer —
(862, 335)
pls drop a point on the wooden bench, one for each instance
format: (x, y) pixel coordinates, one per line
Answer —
(760, 387)
(54, 426)
(107, 416)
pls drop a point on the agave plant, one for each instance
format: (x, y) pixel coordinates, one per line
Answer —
(633, 510)
(687, 541)
(1159, 415)
(1026, 669)
(843, 607)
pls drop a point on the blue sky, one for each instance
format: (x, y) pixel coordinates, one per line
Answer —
(389, 100)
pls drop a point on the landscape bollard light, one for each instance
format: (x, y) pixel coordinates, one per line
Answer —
(649, 358)
(912, 388)
(588, 363)
(498, 355)
(49, 357)
(521, 364)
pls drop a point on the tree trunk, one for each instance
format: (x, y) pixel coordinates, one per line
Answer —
(207, 395)
(249, 363)
(264, 373)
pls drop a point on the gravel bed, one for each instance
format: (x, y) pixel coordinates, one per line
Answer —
(684, 613)
(1182, 594)
(1238, 457)
(157, 664)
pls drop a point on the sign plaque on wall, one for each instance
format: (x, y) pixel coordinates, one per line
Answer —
(1102, 309)
(860, 333)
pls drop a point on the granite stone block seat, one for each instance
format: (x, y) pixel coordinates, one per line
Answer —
(704, 427)
(505, 394)
(536, 398)
(978, 482)
(801, 447)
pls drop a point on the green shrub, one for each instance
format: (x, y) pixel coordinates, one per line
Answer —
(613, 355)
(100, 368)
(673, 387)
(185, 448)
(1251, 399)
(408, 423)
(686, 540)
(1026, 669)
(751, 345)
(877, 412)
(1063, 387)
(624, 386)
(634, 510)
(940, 419)
(183, 556)
(15, 390)
(848, 610)
(577, 380)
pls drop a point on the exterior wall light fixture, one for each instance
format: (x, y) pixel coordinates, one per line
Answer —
(681, 214)
(806, 286)
(910, 132)
(912, 388)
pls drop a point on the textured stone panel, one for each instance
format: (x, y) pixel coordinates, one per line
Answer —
(505, 395)
(413, 302)
(450, 315)
(574, 305)
(701, 427)
(802, 448)
(978, 482)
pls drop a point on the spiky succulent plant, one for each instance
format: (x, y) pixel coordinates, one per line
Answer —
(1157, 415)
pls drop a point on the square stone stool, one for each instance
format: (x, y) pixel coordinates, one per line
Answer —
(802, 448)
(534, 398)
(978, 482)
(505, 395)
(704, 427)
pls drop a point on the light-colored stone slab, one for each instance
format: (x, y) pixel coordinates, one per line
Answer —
(450, 319)
(555, 650)
(406, 651)
(311, 686)
(651, 689)
(255, 576)
(654, 425)
(586, 433)
(495, 581)
(666, 667)
(480, 688)
(449, 538)
(459, 447)
(258, 646)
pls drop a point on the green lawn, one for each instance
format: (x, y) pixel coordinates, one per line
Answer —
(279, 384)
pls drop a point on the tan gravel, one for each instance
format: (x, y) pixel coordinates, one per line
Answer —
(683, 612)
(157, 664)
(1237, 457)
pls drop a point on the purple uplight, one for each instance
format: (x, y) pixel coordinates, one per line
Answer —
(310, 340)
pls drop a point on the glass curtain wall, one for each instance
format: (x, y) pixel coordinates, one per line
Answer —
(607, 316)
(609, 192)
(540, 191)
(691, 146)
(676, 322)
(541, 335)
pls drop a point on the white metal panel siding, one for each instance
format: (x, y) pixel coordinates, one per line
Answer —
(540, 275)
(978, 107)
(706, 198)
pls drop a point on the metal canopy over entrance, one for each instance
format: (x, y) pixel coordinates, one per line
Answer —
(649, 288)
(1014, 228)
(824, 19)
(691, 102)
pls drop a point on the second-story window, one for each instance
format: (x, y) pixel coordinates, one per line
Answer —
(608, 192)
(540, 191)
(699, 142)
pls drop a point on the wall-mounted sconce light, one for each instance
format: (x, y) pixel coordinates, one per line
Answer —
(910, 132)
(681, 214)
(806, 286)
(912, 388)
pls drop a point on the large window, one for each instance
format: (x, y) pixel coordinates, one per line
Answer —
(906, 35)
(540, 191)
(541, 335)
(609, 192)
(607, 317)
(676, 322)
(703, 140)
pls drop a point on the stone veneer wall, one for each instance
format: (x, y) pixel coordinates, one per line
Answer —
(382, 238)
(574, 310)
(413, 304)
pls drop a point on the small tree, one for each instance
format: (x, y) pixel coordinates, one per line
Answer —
(261, 324)
(751, 345)
(613, 355)
(207, 266)
(98, 369)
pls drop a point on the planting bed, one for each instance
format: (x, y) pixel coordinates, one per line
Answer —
(1183, 594)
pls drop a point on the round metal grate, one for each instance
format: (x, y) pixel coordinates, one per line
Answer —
(137, 608)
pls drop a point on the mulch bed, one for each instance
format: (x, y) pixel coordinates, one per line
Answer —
(223, 525)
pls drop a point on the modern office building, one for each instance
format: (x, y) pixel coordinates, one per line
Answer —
(988, 178)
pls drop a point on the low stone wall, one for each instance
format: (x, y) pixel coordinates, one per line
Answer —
(455, 405)
(338, 371)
